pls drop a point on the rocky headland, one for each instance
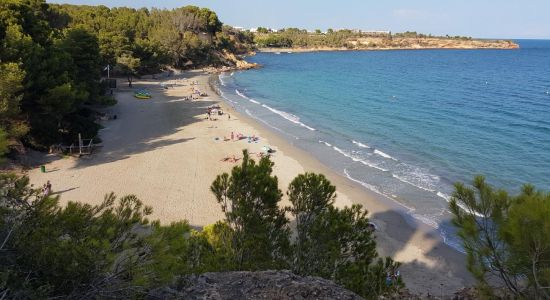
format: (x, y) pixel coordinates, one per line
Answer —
(404, 43)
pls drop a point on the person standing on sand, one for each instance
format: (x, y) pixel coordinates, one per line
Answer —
(228, 116)
(44, 189)
(232, 136)
(48, 188)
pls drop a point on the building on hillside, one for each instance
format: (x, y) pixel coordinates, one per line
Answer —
(375, 33)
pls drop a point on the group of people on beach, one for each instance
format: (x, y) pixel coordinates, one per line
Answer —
(214, 110)
(239, 136)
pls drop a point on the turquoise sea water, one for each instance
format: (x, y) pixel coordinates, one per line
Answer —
(408, 124)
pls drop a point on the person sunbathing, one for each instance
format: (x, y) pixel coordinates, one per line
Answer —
(231, 159)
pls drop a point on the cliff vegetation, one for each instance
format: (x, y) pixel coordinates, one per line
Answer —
(300, 40)
(53, 57)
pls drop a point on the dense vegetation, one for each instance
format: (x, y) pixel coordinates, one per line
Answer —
(47, 76)
(112, 251)
(52, 58)
(294, 37)
(156, 37)
(506, 238)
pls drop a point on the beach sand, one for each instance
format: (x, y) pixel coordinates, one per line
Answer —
(164, 151)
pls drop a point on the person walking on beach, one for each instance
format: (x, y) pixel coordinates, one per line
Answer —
(232, 136)
(228, 116)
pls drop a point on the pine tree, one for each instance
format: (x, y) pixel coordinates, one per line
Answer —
(249, 197)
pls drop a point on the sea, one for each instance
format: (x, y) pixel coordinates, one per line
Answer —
(407, 125)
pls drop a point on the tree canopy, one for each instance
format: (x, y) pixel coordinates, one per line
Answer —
(506, 238)
(52, 58)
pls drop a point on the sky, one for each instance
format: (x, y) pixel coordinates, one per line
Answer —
(476, 18)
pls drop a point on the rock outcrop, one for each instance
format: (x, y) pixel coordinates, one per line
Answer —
(282, 285)
(232, 61)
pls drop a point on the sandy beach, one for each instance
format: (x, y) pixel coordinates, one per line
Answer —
(166, 152)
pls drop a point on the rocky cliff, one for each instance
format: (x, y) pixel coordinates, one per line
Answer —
(232, 61)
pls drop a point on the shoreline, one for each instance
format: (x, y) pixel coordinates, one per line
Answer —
(396, 226)
(166, 153)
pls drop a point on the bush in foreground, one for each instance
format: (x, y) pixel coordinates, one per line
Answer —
(111, 250)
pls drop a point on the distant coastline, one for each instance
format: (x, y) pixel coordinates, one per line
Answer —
(379, 44)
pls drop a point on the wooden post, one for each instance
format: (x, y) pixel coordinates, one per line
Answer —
(79, 144)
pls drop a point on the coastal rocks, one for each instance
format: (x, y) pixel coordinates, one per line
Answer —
(253, 285)
(231, 61)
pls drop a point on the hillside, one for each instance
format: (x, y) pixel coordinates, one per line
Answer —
(297, 40)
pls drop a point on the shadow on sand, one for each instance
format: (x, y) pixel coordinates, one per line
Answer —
(145, 125)
(444, 271)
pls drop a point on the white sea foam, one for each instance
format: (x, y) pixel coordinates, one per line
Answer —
(368, 186)
(438, 193)
(376, 190)
(292, 118)
(376, 151)
(269, 125)
(222, 94)
(451, 242)
(422, 218)
(220, 77)
(448, 199)
(426, 220)
(360, 144)
(326, 144)
(241, 94)
(246, 97)
(356, 159)
(444, 196)
(368, 164)
(405, 180)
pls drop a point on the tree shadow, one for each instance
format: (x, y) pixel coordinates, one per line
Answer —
(145, 125)
(440, 270)
(64, 191)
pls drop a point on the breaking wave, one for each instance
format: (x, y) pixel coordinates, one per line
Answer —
(385, 155)
(361, 145)
(292, 118)
(245, 97)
